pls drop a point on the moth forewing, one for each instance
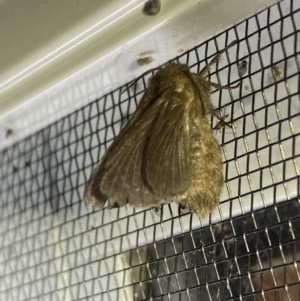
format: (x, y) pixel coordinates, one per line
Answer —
(166, 153)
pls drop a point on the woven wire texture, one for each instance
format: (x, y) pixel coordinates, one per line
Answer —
(55, 247)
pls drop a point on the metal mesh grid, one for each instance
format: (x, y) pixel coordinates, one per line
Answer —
(54, 247)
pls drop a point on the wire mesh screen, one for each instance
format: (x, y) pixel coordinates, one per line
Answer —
(55, 247)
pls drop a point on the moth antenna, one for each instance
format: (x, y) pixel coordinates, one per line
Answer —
(217, 57)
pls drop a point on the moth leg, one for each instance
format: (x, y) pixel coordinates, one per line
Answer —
(216, 58)
(211, 109)
(222, 121)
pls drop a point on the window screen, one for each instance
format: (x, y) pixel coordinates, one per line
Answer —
(55, 247)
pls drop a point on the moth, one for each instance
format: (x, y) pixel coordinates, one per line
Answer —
(167, 151)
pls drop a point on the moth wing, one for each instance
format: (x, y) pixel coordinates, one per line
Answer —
(167, 152)
(120, 171)
(127, 172)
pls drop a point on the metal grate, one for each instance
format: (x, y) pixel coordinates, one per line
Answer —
(54, 247)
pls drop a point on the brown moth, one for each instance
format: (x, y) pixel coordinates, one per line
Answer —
(167, 151)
